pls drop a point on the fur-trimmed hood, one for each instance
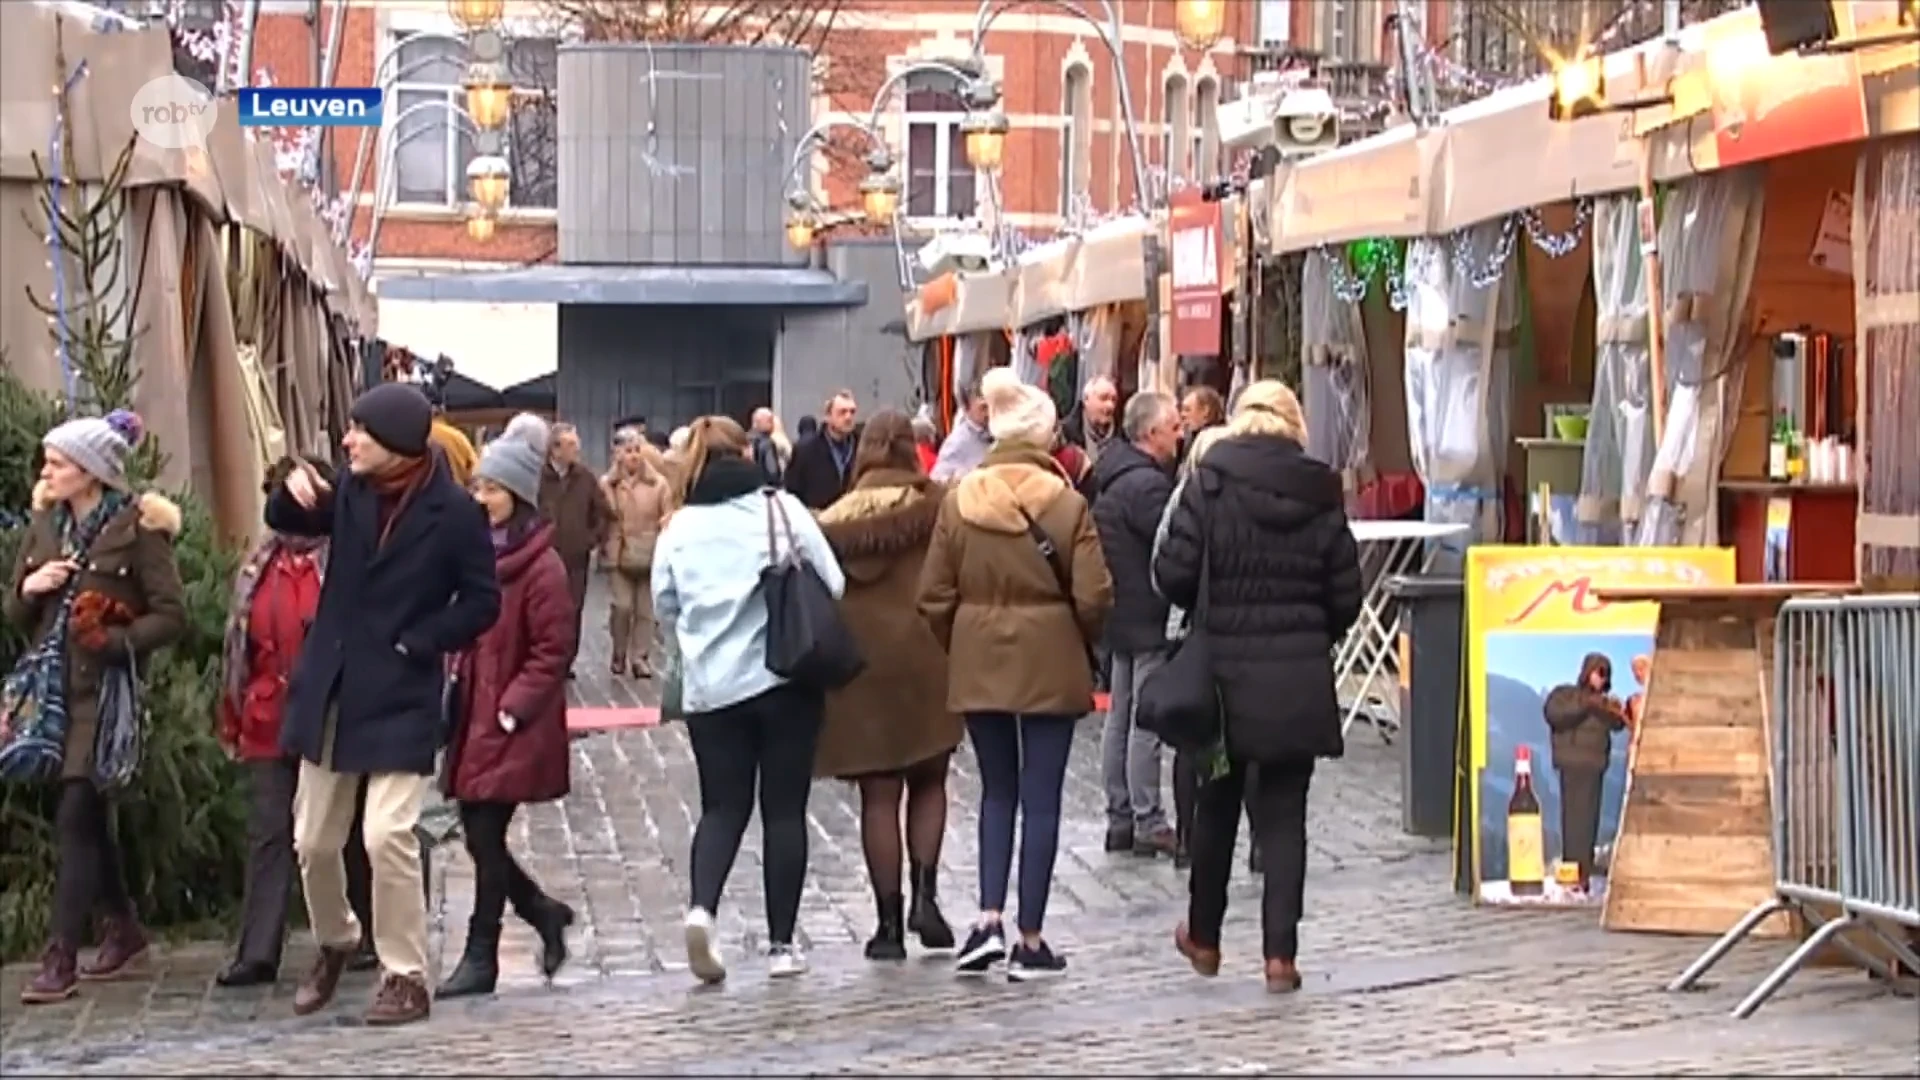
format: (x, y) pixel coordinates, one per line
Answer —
(1015, 482)
(888, 513)
(157, 512)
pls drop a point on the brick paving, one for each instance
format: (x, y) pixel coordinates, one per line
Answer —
(1403, 978)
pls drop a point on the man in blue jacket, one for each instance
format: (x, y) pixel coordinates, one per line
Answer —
(410, 581)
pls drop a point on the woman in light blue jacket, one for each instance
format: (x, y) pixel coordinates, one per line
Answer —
(749, 728)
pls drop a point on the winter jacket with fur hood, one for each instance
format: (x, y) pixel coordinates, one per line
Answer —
(1016, 643)
(130, 562)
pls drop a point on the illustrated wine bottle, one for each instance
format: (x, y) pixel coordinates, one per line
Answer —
(1526, 835)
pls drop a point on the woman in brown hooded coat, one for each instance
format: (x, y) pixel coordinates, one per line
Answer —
(889, 730)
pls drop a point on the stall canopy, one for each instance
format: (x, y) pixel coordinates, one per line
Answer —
(1379, 186)
(960, 303)
(1105, 265)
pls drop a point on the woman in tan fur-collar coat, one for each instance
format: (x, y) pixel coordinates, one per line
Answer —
(889, 730)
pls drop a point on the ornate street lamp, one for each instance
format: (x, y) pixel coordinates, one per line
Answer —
(488, 179)
(880, 189)
(799, 230)
(480, 224)
(489, 95)
(476, 14)
(986, 135)
(1200, 23)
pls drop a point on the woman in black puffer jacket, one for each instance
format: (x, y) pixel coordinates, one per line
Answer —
(1283, 586)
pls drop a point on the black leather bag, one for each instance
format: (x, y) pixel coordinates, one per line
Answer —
(1179, 702)
(807, 641)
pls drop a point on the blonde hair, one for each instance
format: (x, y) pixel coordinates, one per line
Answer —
(706, 437)
(1268, 407)
(1203, 441)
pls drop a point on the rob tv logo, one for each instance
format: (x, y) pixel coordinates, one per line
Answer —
(283, 106)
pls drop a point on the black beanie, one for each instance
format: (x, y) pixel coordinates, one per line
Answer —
(398, 416)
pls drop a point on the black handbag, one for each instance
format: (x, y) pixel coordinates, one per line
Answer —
(807, 641)
(1179, 702)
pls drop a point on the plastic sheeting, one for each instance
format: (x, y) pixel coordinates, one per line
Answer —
(1887, 293)
(1619, 453)
(1336, 392)
(1458, 355)
(1709, 238)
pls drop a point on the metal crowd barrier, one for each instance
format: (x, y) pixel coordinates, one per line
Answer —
(1845, 732)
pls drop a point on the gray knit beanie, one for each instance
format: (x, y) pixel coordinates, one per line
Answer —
(515, 458)
(99, 444)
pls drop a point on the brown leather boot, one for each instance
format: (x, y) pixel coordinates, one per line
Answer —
(319, 986)
(122, 943)
(1282, 976)
(1205, 961)
(56, 980)
(401, 999)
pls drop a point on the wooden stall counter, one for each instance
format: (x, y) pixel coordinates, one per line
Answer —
(1819, 523)
(1695, 849)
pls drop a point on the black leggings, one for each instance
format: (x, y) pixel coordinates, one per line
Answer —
(88, 878)
(764, 744)
(1278, 810)
(497, 875)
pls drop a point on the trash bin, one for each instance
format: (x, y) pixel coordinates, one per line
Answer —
(1432, 619)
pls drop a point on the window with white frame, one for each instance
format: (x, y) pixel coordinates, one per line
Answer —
(1177, 123)
(1206, 129)
(433, 141)
(1076, 133)
(940, 183)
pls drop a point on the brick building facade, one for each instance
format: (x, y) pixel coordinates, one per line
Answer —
(1059, 94)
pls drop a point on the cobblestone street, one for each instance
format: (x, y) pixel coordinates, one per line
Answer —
(1403, 978)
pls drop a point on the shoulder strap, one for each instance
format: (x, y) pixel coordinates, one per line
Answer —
(777, 523)
(1049, 551)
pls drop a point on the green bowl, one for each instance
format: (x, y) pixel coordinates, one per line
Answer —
(1570, 428)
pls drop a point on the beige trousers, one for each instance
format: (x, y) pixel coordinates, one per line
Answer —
(630, 615)
(322, 820)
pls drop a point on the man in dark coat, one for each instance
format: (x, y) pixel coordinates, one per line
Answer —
(1132, 482)
(410, 581)
(1582, 717)
(574, 503)
(1090, 426)
(821, 466)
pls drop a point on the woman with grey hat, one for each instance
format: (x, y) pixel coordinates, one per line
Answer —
(509, 744)
(94, 588)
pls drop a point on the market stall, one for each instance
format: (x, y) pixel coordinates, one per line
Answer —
(960, 321)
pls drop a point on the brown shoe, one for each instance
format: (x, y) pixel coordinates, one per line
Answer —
(319, 986)
(122, 943)
(56, 980)
(1205, 961)
(1282, 977)
(1160, 841)
(401, 999)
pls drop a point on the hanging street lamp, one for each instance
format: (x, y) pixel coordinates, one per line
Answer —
(1200, 23)
(489, 95)
(488, 179)
(986, 136)
(476, 14)
(480, 224)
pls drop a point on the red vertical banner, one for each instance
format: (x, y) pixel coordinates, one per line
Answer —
(1199, 255)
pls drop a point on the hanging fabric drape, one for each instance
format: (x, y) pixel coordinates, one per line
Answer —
(1619, 451)
(1460, 319)
(1886, 210)
(1096, 334)
(970, 358)
(1335, 388)
(1025, 362)
(1709, 238)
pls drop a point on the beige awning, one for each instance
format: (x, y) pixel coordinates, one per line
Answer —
(1379, 186)
(1042, 277)
(982, 301)
(1111, 265)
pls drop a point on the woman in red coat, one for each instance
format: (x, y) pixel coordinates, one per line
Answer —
(509, 744)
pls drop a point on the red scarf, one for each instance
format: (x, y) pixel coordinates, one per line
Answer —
(397, 487)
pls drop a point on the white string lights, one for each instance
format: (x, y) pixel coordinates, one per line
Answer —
(1351, 272)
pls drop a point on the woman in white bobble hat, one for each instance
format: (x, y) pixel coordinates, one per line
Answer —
(1015, 587)
(94, 589)
(509, 745)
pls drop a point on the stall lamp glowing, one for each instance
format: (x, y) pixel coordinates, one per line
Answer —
(1579, 89)
(475, 14)
(986, 136)
(1200, 23)
(880, 197)
(489, 96)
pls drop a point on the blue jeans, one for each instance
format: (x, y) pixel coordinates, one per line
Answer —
(1023, 766)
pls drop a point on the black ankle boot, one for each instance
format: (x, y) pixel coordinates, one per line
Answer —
(550, 919)
(479, 969)
(925, 919)
(889, 941)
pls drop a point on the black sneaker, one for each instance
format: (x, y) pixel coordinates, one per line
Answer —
(985, 947)
(1038, 962)
(1120, 837)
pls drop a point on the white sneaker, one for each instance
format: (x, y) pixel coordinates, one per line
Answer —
(786, 961)
(703, 956)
